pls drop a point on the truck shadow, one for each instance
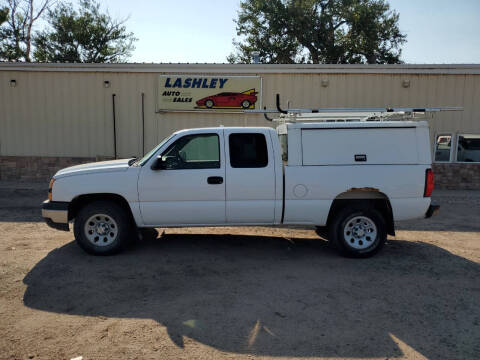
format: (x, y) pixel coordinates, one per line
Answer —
(269, 296)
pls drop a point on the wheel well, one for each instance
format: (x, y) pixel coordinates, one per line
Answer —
(80, 201)
(361, 199)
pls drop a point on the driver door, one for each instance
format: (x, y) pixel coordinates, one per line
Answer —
(190, 187)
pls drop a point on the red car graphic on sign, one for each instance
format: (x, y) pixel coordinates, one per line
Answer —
(245, 100)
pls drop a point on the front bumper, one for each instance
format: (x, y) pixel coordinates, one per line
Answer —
(432, 210)
(55, 214)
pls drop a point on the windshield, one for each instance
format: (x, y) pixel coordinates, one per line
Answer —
(147, 156)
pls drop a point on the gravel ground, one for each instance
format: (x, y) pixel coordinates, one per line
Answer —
(240, 293)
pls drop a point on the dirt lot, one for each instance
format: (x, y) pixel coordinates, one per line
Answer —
(240, 293)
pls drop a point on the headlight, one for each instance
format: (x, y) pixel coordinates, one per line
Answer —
(50, 186)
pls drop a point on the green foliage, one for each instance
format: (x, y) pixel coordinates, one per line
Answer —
(318, 31)
(17, 19)
(12, 35)
(262, 23)
(9, 48)
(3, 15)
(86, 35)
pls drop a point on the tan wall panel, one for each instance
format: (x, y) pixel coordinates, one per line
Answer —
(60, 114)
(70, 113)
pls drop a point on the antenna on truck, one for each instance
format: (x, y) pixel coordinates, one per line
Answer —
(351, 114)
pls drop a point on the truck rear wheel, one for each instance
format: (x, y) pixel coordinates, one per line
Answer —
(358, 232)
(102, 228)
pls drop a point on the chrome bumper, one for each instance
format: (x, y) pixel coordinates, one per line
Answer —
(55, 214)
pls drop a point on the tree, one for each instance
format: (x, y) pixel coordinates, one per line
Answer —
(16, 30)
(260, 22)
(318, 31)
(86, 35)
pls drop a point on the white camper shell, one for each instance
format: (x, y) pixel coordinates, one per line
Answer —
(345, 143)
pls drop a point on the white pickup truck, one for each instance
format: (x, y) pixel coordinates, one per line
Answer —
(351, 180)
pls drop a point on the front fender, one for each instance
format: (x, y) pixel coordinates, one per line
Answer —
(123, 184)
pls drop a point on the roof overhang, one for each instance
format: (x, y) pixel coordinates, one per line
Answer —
(186, 68)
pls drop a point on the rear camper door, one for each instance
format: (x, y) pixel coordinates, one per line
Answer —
(363, 145)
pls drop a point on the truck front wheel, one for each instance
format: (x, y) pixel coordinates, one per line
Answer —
(102, 228)
(358, 232)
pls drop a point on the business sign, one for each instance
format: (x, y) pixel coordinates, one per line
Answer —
(215, 93)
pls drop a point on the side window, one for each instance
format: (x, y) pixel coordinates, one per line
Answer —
(468, 148)
(201, 151)
(248, 150)
(443, 147)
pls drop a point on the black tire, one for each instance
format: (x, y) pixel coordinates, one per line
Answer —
(209, 104)
(340, 225)
(113, 211)
(245, 104)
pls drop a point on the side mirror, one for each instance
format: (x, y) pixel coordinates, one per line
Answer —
(158, 164)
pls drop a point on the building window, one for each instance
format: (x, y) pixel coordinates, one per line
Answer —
(443, 147)
(248, 151)
(468, 148)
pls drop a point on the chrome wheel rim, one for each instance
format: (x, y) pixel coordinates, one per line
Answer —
(101, 229)
(209, 103)
(245, 104)
(360, 232)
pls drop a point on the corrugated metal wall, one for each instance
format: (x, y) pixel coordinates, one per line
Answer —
(69, 113)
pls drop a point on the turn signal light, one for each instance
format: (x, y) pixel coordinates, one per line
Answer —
(428, 183)
(50, 186)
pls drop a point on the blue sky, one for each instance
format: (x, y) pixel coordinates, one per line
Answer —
(438, 31)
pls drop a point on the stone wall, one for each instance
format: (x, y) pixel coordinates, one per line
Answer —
(33, 168)
(457, 176)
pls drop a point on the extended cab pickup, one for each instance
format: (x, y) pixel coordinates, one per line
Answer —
(351, 180)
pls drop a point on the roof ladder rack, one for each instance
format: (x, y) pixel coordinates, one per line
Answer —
(351, 114)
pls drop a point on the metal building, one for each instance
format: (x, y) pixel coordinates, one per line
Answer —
(54, 115)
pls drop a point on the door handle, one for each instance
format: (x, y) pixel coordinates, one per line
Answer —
(215, 180)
